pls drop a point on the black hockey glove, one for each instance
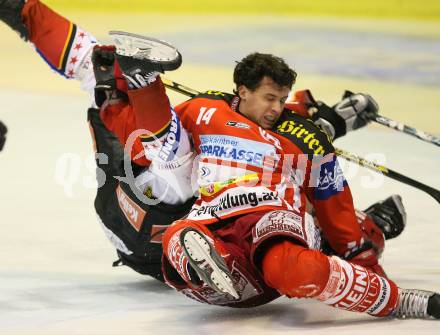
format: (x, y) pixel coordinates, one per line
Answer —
(352, 112)
(321, 114)
(10, 13)
(356, 109)
(3, 131)
(110, 83)
(389, 215)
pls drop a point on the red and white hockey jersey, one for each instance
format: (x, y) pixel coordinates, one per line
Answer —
(242, 168)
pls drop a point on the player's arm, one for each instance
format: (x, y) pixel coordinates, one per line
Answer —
(326, 188)
(330, 195)
(351, 113)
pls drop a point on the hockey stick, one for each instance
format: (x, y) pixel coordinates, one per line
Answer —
(179, 88)
(406, 129)
(389, 173)
(341, 153)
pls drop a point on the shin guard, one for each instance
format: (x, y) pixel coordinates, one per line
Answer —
(354, 288)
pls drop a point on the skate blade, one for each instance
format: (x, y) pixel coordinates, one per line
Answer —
(199, 253)
(142, 47)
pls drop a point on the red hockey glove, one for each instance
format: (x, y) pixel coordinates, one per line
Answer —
(367, 257)
(301, 103)
(322, 115)
(109, 79)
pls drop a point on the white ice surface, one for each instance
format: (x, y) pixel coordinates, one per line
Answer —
(55, 262)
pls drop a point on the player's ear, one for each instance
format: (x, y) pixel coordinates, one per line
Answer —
(243, 92)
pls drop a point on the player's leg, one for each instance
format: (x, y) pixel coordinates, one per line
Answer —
(188, 247)
(297, 271)
(63, 45)
(213, 267)
(147, 125)
(140, 60)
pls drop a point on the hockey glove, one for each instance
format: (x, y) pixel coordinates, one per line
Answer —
(356, 109)
(352, 112)
(10, 13)
(389, 215)
(110, 83)
(367, 257)
(322, 115)
(3, 131)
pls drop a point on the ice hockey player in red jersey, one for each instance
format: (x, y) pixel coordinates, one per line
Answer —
(67, 49)
(292, 127)
(249, 236)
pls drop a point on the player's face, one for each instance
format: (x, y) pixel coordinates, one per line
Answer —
(265, 104)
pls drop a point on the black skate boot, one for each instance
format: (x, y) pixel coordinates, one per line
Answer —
(389, 215)
(418, 304)
(206, 262)
(141, 58)
(10, 13)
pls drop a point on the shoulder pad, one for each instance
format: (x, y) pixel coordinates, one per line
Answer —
(303, 133)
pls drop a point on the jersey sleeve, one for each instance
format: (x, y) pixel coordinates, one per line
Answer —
(331, 197)
(324, 185)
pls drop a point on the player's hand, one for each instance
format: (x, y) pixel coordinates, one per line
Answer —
(367, 257)
(3, 131)
(357, 109)
(354, 111)
(110, 83)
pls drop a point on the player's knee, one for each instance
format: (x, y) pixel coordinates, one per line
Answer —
(176, 227)
(295, 270)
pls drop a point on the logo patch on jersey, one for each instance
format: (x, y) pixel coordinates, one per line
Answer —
(216, 187)
(235, 149)
(236, 124)
(331, 180)
(234, 200)
(298, 130)
(172, 140)
(279, 222)
(134, 214)
(217, 93)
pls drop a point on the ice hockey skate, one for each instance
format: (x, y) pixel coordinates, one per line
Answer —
(10, 13)
(418, 304)
(156, 55)
(207, 263)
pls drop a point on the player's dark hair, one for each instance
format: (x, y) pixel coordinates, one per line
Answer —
(251, 69)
